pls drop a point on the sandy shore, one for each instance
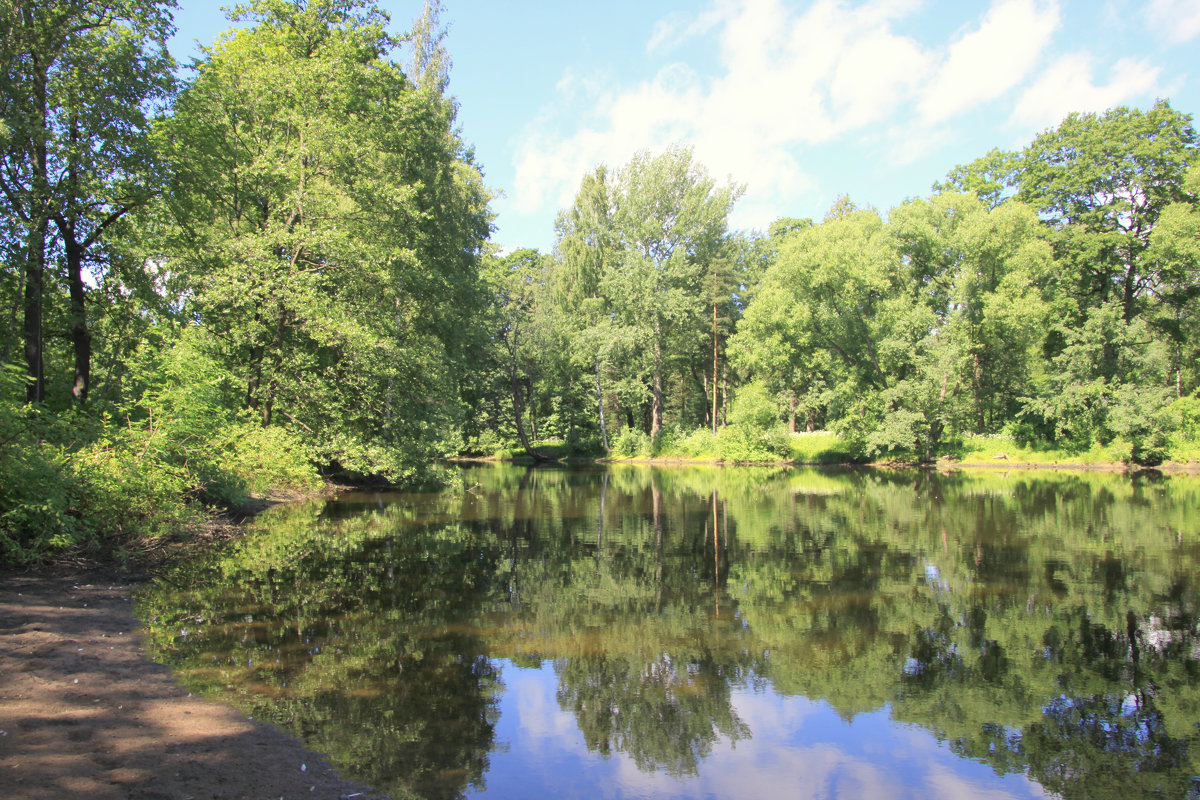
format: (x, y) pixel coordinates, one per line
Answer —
(84, 712)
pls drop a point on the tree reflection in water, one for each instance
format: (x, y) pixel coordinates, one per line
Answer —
(1042, 624)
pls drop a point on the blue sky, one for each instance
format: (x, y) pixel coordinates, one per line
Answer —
(799, 101)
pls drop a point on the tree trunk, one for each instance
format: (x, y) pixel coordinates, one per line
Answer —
(533, 423)
(35, 268)
(656, 402)
(519, 414)
(791, 412)
(81, 337)
(600, 408)
(39, 212)
(714, 394)
(979, 394)
(724, 395)
(1127, 297)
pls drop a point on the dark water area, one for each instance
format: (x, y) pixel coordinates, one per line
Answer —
(700, 632)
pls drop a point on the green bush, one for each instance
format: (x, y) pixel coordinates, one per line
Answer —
(744, 443)
(755, 407)
(631, 443)
(819, 447)
(70, 479)
(1143, 417)
(267, 460)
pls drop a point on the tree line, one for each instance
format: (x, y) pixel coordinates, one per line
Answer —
(1046, 295)
(234, 278)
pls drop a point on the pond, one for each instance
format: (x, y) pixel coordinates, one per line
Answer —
(706, 632)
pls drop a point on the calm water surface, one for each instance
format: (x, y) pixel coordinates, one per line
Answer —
(718, 633)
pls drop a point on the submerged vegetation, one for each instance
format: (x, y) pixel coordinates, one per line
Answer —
(276, 270)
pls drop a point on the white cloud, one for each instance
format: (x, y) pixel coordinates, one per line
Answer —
(788, 78)
(783, 79)
(989, 61)
(1068, 85)
(674, 29)
(1178, 21)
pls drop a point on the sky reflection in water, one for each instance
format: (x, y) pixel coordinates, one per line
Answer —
(801, 749)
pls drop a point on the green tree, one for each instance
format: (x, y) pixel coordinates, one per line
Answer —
(773, 344)
(584, 249)
(669, 224)
(329, 224)
(977, 270)
(1175, 242)
(514, 281)
(80, 82)
(1100, 181)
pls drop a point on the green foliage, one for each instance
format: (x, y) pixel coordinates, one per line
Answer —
(750, 444)
(631, 443)
(290, 274)
(37, 487)
(72, 479)
(1187, 413)
(69, 481)
(819, 447)
(341, 307)
(754, 406)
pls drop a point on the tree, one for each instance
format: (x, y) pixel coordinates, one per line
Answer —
(977, 269)
(80, 79)
(330, 225)
(1100, 181)
(514, 280)
(669, 225)
(584, 249)
(773, 343)
(1175, 243)
(1103, 181)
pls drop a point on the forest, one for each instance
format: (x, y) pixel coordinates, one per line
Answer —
(274, 269)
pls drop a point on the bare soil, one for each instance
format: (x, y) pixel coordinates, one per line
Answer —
(85, 713)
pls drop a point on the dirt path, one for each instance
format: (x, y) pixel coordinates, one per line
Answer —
(84, 713)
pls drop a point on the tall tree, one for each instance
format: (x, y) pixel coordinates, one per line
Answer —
(514, 281)
(79, 81)
(331, 225)
(1100, 181)
(1176, 244)
(669, 221)
(585, 249)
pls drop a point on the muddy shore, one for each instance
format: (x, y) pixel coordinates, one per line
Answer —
(85, 713)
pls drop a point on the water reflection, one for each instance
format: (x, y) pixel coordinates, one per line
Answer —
(1011, 633)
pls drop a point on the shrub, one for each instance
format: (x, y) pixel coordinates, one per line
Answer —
(631, 443)
(741, 443)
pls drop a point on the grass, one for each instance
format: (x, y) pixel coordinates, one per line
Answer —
(819, 447)
(1000, 449)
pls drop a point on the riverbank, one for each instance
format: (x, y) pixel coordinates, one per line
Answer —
(944, 464)
(84, 712)
(826, 449)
